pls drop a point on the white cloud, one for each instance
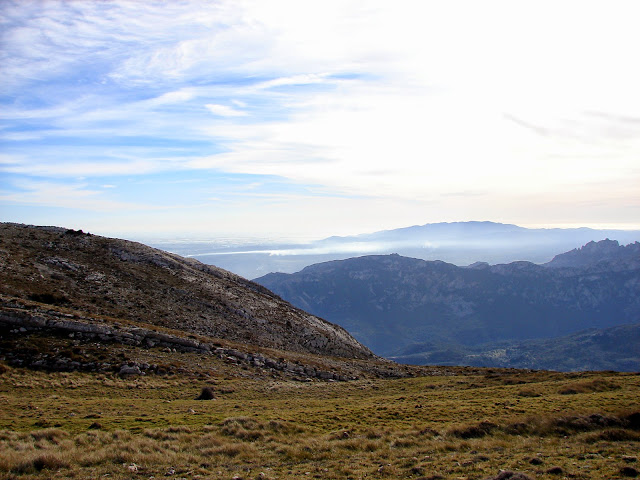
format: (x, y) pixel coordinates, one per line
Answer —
(505, 101)
(46, 165)
(62, 195)
(224, 110)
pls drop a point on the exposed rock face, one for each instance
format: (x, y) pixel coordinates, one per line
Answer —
(605, 254)
(128, 280)
(19, 319)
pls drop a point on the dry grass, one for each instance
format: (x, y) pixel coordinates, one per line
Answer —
(431, 427)
(597, 385)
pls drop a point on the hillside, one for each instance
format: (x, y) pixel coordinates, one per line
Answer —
(389, 302)
(92, 276)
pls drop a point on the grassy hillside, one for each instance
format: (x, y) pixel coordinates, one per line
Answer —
(544, 425)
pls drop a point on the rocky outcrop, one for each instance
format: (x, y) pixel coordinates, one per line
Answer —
(80, 328)
(603, 255)
(18, 320)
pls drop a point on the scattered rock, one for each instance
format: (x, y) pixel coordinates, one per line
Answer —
(536, 461)
(129, 370)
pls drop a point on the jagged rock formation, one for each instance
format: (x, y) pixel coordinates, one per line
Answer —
(605, 254)
(99, 276)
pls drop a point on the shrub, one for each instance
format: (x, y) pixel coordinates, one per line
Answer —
(475, 431)
(584, 423)
(43, 461)
(509, 475)
(49, 298)
(207, 393)
(629, 472)
(597, 385)
(527, 392)
(632, 420)
(614, 435)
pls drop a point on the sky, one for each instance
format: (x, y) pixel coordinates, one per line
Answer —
(305, 119)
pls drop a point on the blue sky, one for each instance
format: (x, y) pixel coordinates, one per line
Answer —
(300, 119)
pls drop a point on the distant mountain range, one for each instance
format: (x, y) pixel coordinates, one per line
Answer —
(460, 243)
(414, 309)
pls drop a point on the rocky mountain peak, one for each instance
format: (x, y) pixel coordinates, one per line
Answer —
(595, 253)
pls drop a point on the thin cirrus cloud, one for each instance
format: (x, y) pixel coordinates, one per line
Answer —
(516, 105)
(224, 110)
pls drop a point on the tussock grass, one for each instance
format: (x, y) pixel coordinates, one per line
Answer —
(467, 427)
(480, 430)
(597, 385)
(529, 392)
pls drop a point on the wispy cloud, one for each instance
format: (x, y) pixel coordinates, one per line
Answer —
(62, 195)
(399, 103)
(224, 110)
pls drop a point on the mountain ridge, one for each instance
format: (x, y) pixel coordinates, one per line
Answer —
(460, 243)
(606, 252)
(387, 301)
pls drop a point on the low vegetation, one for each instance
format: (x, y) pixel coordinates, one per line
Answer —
(111, 368)
(471, 426)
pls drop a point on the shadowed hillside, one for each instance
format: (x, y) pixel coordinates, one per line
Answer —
(614, 348)
(390, 302)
